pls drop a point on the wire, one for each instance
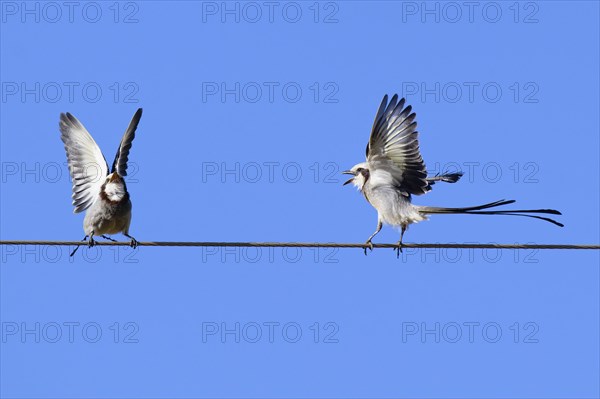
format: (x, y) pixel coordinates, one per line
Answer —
(306, 244)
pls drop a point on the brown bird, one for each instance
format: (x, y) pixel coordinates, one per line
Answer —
(103, 195)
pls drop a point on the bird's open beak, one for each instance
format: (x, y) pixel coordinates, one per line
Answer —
(349, 172)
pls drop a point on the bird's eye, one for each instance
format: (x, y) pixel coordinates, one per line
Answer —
(359, 170)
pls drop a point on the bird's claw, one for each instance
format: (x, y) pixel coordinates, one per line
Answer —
(91, 242)
(369, 245)
(133, 244)
(398, 249)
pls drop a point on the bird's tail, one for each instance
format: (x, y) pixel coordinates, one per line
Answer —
(478, 210)
(446, 177)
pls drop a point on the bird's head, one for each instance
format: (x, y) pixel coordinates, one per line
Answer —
(360, 174)
(114, 187)
(113, 178)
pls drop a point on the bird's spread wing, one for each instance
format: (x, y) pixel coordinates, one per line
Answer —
(87, 165)
(120, 162)
(394, 147)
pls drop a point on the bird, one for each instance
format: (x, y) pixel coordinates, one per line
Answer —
(101, 194)
(395, 171)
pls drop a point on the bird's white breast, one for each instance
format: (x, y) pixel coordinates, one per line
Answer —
(393, 208)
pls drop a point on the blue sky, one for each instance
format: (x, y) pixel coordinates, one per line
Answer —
(251, 111)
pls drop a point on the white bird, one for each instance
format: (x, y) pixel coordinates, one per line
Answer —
(104, 195)
(394, 171)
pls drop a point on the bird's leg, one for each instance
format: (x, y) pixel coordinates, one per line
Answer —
(77, 247)
(108, 238)
(133, 243)
(369, 243)
(92, 242)
(399, 248)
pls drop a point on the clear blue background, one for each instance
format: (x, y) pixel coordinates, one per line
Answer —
(373, 48)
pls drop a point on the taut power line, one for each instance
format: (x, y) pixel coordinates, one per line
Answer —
(308, 244)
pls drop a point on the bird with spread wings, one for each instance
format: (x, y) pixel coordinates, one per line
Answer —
(101, 194)
(395, 171)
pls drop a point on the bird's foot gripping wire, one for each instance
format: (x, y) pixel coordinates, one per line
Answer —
(368, 245)
(91, 242)
(108, 238)
(133, 243)
(398, 249)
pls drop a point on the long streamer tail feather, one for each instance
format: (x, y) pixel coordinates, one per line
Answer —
(478, 210)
